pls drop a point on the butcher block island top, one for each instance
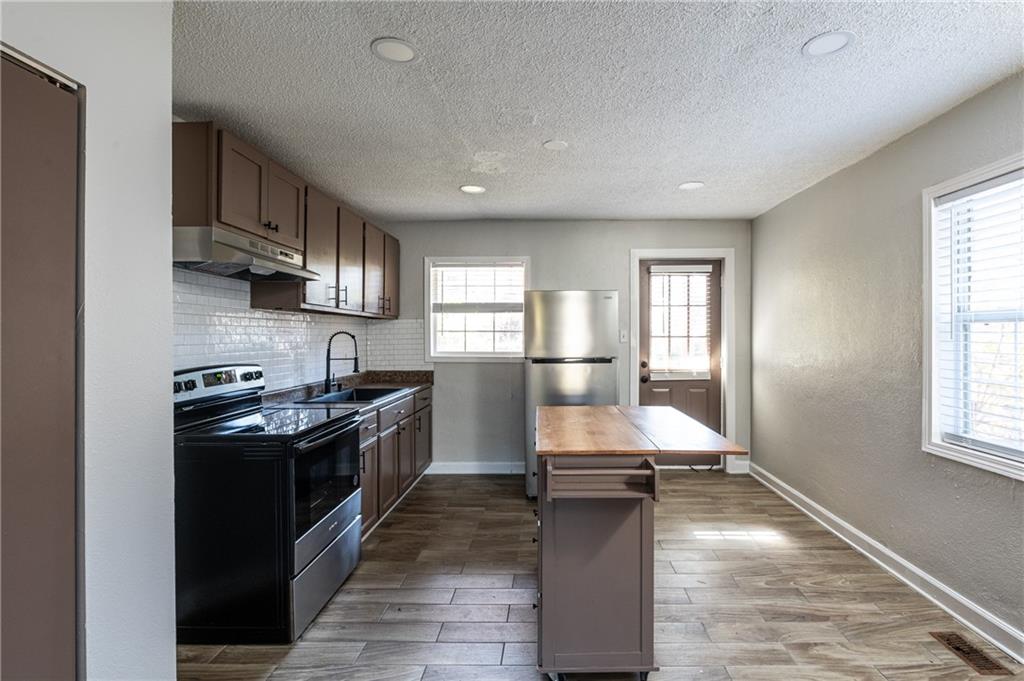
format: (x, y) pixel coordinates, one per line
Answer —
(626, 431)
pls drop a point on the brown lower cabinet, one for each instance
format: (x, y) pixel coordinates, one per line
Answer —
(422, 448)
(391, 462)
(387, 468)
(368, 483)
(406, 454)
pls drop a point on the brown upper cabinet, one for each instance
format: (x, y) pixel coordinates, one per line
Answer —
(391, 261)
(286, 207)
(350, 261)
(241, 185)
(321, 248)
(373, 270)
(221, 181)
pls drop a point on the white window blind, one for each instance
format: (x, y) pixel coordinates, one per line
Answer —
(978, 317)
(680, 333)
(476, 307)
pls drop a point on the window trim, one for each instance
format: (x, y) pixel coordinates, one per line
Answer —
(931, 441)
(428, 319)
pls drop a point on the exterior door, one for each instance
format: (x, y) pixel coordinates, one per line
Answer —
(322, 248)
(286, 207)
(373, 272)
(680, 341)
(242, 183)
(39, 228)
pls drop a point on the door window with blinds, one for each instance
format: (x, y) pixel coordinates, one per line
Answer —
(680, 326)
(475, 307)
(975, 381)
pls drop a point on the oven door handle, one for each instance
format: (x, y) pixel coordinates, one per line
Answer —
(303, 447)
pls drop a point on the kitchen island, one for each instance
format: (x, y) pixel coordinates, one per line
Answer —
(598, 481)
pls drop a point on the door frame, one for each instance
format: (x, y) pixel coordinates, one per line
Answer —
(728, 258)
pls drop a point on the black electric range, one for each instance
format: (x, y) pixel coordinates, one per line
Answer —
(267, 507)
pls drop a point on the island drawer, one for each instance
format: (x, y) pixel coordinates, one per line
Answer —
(612, 479)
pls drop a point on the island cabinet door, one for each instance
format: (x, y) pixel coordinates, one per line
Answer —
(596, 579)
(387, 468)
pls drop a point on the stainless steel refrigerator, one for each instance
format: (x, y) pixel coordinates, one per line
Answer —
(571, 345)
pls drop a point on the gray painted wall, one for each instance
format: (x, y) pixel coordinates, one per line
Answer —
(837, 358)
(479, 407)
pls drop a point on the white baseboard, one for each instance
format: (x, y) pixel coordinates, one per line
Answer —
(997, 631)
(737, 465)
(476, 468)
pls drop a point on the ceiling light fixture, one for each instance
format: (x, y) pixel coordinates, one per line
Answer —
(472, 189)
(827, 43)
(689, 186)
(555, 145)
(393, 50)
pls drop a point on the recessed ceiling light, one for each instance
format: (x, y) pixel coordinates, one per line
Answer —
(827, 43)
(555, 145)
(393, 49)
(695, 184)
(472, 189)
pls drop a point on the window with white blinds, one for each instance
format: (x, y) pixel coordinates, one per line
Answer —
(977, 318)
(475, 307)
(680, 313)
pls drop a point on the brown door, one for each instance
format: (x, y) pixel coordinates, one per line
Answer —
(680, 340)
(387, 468)
(391, 263)
(368, 484)
(423, 444)
(373, 271)
(406, 453)
(242, 185)
(350, 261)
(286, 207)
(322, 248)
(38, 261)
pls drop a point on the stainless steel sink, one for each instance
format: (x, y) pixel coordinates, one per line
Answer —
(353, 395)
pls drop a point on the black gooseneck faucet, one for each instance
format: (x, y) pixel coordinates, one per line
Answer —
(354, 358)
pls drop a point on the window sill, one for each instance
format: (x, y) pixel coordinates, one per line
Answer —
(971, 457)
(475, 359)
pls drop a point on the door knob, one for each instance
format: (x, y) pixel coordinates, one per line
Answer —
(644, 378)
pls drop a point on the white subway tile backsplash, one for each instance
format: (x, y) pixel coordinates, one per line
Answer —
(213, 323)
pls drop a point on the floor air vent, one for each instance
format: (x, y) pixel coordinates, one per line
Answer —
(969, 653)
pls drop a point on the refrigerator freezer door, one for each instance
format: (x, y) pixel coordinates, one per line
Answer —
(563, 383)
(571, 324)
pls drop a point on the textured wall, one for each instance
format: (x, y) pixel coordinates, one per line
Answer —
(479, 405)
(122, 54)
(837, 358)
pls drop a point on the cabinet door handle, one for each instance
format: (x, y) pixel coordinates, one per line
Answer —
(362, 462)
(267, 224)
(344, 302)
(274, 228)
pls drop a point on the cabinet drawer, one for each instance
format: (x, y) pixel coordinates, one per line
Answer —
(392, 414)
(368, 428)
(423, 398)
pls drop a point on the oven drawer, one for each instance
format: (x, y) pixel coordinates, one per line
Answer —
(394, 413)
(423, 398)
(315, 585)
(323, 533)
(368, 428)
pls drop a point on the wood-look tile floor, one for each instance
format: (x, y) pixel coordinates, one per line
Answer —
(747, 589)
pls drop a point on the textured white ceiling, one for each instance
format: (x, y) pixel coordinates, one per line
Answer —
(648, 95)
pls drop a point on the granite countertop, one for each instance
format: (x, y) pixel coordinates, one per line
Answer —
(367, 379)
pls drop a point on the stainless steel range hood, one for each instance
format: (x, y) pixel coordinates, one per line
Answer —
(218, 251)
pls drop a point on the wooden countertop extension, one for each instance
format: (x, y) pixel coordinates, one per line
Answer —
(617, 431)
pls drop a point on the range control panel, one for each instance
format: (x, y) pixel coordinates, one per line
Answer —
(211, 381)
